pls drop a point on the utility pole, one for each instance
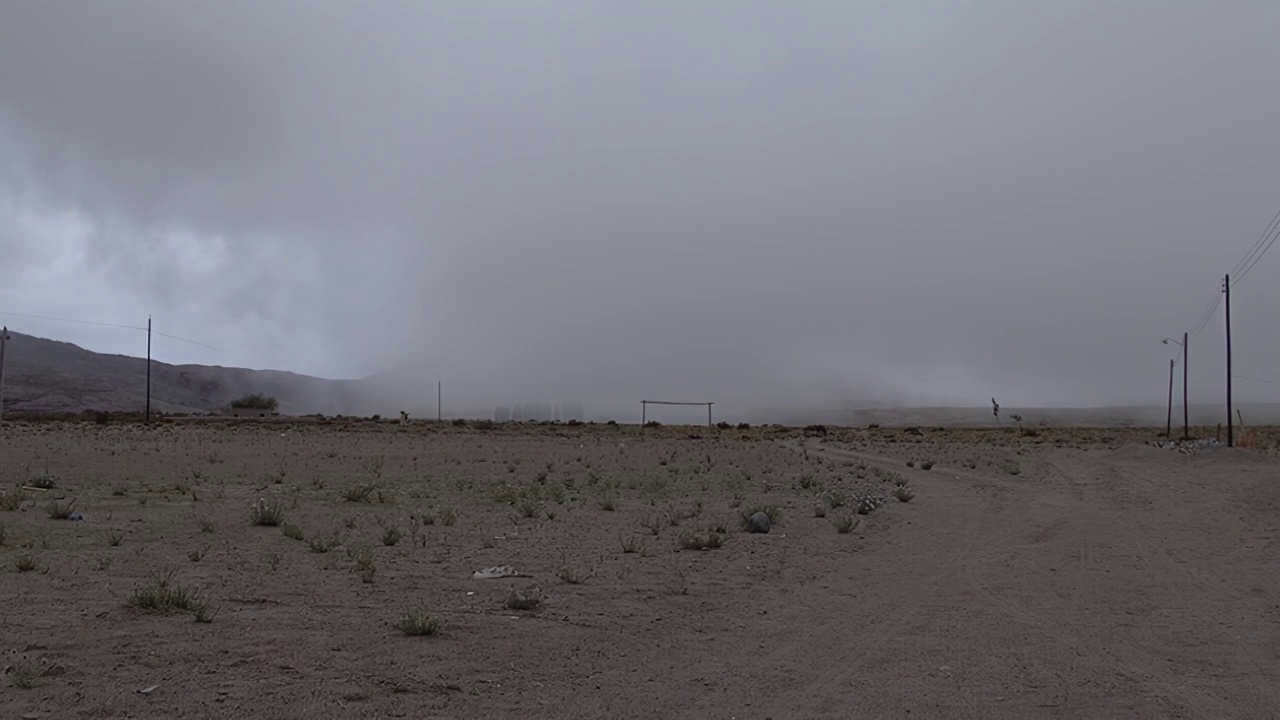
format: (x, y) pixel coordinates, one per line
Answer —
(1168, 424)
(439, 401)
(1186, 426)
(4, 336)
(147, 414)
(1226, 288)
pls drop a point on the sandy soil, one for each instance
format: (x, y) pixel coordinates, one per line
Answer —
(1073, 574)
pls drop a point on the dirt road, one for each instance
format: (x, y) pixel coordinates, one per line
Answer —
(1134, 583)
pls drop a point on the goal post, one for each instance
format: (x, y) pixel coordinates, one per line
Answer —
(644, 409)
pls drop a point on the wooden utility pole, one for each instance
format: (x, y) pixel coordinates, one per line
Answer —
(439, 400)
(4, 337)
(1186, 426)
(147, 413)
(1168, 423)
(1231, 440)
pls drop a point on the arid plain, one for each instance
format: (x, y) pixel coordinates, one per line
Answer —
(1074, 573)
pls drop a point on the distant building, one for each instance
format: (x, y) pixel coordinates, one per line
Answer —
(253, 412)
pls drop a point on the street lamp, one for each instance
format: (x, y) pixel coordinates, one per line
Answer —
(1186, 430)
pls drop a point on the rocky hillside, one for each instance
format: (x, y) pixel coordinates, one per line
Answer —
(51, 376)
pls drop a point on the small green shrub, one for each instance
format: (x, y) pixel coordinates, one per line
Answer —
(391, 536)
(846, 523)
(419, 623)
(529, 599)
(162, 595)
(293, 532)
(322, 544)
(59, 510)
(709, 539)
(359, 493)
(266, 514)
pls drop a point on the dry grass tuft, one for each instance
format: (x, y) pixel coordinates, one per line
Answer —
(266, 514)
(419, 623)
(60, 510)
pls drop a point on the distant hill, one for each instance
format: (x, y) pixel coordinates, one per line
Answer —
(51, 376)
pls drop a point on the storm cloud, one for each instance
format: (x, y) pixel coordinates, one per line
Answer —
(762, 204)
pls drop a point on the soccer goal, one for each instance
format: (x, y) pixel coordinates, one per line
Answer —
(644, 409)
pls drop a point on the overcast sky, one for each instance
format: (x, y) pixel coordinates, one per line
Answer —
(913, 202)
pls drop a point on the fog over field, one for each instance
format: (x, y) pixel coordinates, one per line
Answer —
(770, 205)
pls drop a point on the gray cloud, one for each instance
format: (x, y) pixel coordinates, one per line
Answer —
(883, 201)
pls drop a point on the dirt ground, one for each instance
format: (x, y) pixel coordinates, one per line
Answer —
(1066, 574)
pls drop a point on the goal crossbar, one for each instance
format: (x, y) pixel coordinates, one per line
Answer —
(644, 408)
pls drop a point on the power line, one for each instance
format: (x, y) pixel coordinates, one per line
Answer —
(185, 340)
(1256, 244)
(1257, 380)
(1256, 258)
(80, 322)
(110, 325)
(1208, 313)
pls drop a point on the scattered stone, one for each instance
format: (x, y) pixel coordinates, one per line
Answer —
(759, 523)
(501, 571)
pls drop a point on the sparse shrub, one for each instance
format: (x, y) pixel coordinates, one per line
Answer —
(528, 507)
(266, 514)
(448, 517)
(59, 510)
(273, 561)
(867, 504)
(322, 544)
(207, 525)
(197, 555)
(836, 498)
(419, 623)
(1012, 468)
(363, 565)
(4, 533)
(634, 546)
(162, 595)
(904, 493)
(114, 538)
(911, 463)
(708, 539)
(24, 675)
(926, 465)
(654, 523)
(359, 493)
(293, 532)
(819, 511)
(846, 523)
(573, 576)
(529, 599)
(25, 562)
(391, 536)
(44, 480)
(255, 401)
(203, 615)
(609, 502)
(12, 501)
(888, 475)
